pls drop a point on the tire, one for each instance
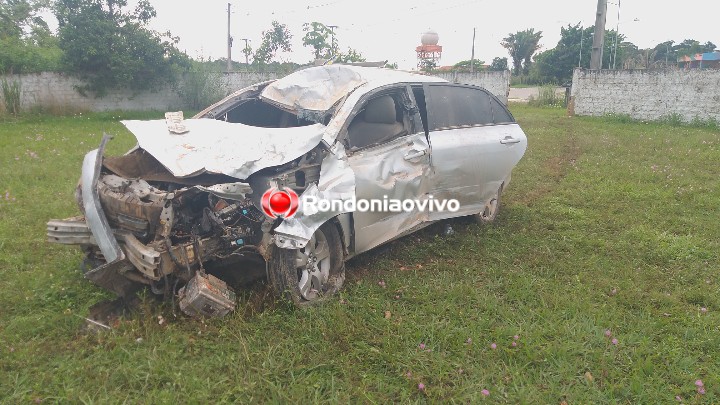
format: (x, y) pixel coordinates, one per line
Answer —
(492, 207)
(312, 274)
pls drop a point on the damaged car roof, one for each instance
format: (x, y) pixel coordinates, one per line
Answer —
(319, 88)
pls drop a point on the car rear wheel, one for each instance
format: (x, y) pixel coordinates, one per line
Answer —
(492, 207)
(311, 274)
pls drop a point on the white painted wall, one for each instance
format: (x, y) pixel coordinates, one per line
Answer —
(57, 92)
(648, 94)
(497, 83)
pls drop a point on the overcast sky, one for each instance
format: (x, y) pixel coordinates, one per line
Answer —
(391, 29)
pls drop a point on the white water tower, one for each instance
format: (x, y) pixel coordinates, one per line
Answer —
(429, 50)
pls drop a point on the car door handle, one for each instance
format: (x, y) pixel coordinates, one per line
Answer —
(509, 140)
(413, 154)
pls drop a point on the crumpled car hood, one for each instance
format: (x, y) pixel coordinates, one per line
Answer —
(214, 146)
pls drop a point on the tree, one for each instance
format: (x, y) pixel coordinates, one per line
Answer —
(522, 45)
(19, 18)
(320, 38)
(499, 64)
(427, 65)
(350, 56)
(247, 50)
(665, 52)
(464, 66)
(556, 65)
(26, 43)
(690, 47)
(276, 38)
(109, 47)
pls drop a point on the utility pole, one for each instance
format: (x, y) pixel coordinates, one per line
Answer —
(599, 37)
(245, 50)
(582, 34)
(333, 44)
(472, 57)
(617, 32)
(229, 43)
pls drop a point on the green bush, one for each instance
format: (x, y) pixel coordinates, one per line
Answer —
(200, 88)
(547, 97)
(673, 119)
(11, 92)
(620, 118)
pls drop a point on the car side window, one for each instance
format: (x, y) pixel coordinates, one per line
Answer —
(381, 119)
(451, 106)
(501, 115)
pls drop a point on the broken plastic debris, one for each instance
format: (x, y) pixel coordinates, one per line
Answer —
(175, 122)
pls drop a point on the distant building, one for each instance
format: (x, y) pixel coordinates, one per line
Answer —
(708, 60)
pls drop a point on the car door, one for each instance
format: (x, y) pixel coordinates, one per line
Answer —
(388, 167)
(475, 144)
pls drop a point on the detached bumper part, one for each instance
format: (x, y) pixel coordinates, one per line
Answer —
(206, 295)
(94, 215)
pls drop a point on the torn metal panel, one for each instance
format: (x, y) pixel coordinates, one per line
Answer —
(71, 231)
(320, 88)
(337, 183)
(232, 191)
(233, 149)
(94, 215)
(316, 89)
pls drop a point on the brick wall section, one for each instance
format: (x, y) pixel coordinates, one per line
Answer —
(56, 91)
(647, 94)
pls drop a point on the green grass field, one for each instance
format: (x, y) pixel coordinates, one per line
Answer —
(608, 225)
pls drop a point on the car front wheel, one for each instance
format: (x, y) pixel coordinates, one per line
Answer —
(311, 274)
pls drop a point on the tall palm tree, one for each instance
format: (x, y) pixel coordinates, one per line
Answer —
(522, 45)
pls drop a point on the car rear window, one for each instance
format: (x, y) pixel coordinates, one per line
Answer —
(452, 106)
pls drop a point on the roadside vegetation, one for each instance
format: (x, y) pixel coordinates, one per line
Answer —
(599, 283)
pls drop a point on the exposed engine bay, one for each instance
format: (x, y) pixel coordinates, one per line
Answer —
(198, 231)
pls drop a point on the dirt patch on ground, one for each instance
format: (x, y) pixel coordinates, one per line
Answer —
(555, 169)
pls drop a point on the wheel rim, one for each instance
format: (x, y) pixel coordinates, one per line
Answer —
(313, 266)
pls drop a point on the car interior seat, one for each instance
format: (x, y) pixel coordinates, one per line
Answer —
(377, 123)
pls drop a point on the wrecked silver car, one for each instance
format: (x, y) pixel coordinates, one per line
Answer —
(186, 209)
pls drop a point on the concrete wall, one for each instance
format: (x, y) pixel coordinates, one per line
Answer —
(647, 94)
(57, 92)
(497, 83)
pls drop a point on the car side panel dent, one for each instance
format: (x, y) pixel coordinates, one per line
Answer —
(395, 170)
(336, 183)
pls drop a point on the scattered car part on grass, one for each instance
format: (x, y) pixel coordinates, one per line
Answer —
(182, 213)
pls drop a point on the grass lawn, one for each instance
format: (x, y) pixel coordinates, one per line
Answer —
(607, 226)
